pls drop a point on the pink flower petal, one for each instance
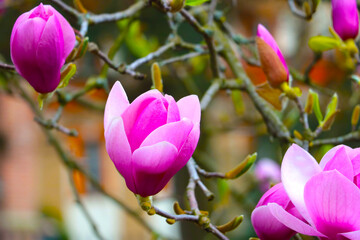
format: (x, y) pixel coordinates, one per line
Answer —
(350, 235)
(341, 162)
(153, 116)
(297, 168)
(175, 133)
(49, 56)
(189, 107)
(267, 227)
(131, 114)
(118, 148)
(333, 203)
(292, 222)
(150, 164)
(331, 153)
(116, 104)
(173, 110)
(68, 31)
(265, 35)
(275, 194)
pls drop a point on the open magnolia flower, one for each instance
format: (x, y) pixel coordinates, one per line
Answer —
(326, 195)
(150, 139)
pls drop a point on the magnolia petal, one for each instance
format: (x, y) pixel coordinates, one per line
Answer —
(292, 222)
(349, 235)
(341, 162)
(22, 18)
(150, 163)
(345, 18)
(276, 194)
(49, 56)
(331, 153)
(267, 227)
(118, 148)
(153, 116)
(173, 110)
(297, 168)
(23, 49)
(131, 114)
(265, 35)
(189, 107)
(333, 203)
(175, 133)
(116, 104)
(68, 32)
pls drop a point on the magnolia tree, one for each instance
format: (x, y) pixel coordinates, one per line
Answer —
(151, 138)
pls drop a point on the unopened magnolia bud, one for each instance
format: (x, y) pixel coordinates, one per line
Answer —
(173, 5)
(242, 167)
(309, 103)
(355, 116)
(170, 221)
(271, 58)
(177, 209)
(298, 135)
(156, 77)
(231, 225)
(345, 18)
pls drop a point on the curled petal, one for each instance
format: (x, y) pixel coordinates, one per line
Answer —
(276, 194)
(189, 107)
(116, 104)
(173, 110)
(150, 164)
(267, 227)
(341, 162)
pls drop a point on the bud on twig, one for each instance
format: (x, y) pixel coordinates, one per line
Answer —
(156, 77)
(177, 209)
(229, 226)
(242, 167)
(355, 116)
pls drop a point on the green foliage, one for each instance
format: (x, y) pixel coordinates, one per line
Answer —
(323, 43)
(195, 2)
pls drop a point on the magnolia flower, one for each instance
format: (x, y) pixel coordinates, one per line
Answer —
(267, 171)
(272, 61)
(41, 39)
(150, 139)
(266, 226)
(345, 18)
(327, 195)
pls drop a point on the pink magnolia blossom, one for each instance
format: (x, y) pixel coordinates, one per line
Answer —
(41, 39)
(266, 226)
(267, 171)
(272, 61)
(327, 195)
(150, 139)
(345, 18)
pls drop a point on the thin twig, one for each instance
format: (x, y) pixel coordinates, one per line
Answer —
(5, 66)
(53, 125)
(209, 94)
(83, 208)
(208, 39)
(353, 136)
(183, 217)
(93, 48)
(150, 56)
(206, 174)
(191, 166)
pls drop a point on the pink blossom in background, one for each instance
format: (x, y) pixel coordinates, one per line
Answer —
(267, 171)
(271, 59)
(2, 7)
(150, 139)
(264, 34)
(41, 39)
(327, 195)
(345, 18)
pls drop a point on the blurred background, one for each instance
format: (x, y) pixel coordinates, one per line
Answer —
(36, 200)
